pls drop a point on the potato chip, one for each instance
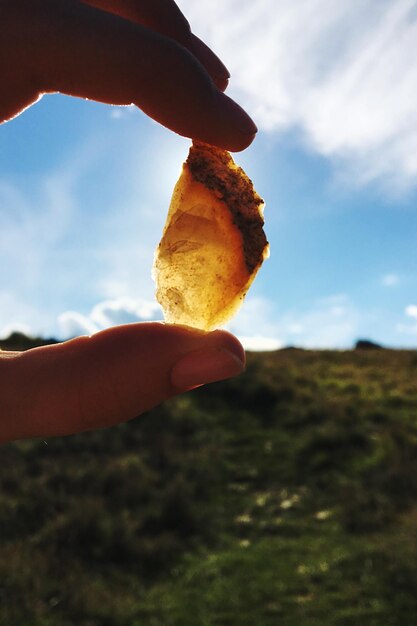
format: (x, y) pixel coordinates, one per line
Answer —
(213, 242)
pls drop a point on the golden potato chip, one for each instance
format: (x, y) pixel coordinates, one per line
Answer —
(213, 242)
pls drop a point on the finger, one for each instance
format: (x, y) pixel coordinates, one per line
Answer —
(164, 17)
(211, 62)
(94, 382)
(93, 54)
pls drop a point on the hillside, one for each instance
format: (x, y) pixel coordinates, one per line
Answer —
(285, 496)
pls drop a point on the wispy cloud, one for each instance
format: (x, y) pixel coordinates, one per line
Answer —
(411, 310)
(34, 220)
(66, 244)
(331, 322)
(390, 280)
(343, 73)
(14, 315)
(410, 327)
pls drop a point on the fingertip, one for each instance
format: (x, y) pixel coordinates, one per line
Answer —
(203, 367)
(216, 356)
(224, 124)
(230, 141)
(242, 143)
(229, 342)
(235, 129)
(236, 115)
(221, 83)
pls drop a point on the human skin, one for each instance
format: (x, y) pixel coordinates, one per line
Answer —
(118, 52)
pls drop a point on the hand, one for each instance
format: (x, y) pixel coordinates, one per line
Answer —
(121, 52)
(111, 377)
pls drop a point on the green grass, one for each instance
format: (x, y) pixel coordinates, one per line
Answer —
(286, 496)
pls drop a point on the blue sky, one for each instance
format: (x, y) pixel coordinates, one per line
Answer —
(84, 187)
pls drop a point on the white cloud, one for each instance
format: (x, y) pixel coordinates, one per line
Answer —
(73, 324)
(128, 310)
(390, 280)
(107, 314)
(38, 215)
(331, 322)
(64, 245)
(258, 343)
(16, 315)
(411, 310)
(343, 73)
(409, 328)
(15, 327)
(32, 223)
(124, 311)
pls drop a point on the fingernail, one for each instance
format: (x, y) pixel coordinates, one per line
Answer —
(239, 118)
(205, 366)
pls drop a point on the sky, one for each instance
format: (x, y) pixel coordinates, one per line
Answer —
(332, 86)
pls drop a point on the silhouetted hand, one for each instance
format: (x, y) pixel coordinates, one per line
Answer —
(119, 52)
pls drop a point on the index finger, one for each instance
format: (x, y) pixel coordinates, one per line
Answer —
(92, 54)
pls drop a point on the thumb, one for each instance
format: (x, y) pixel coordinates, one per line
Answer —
(111, 377)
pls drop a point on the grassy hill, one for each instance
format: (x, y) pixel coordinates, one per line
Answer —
(286, 496)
